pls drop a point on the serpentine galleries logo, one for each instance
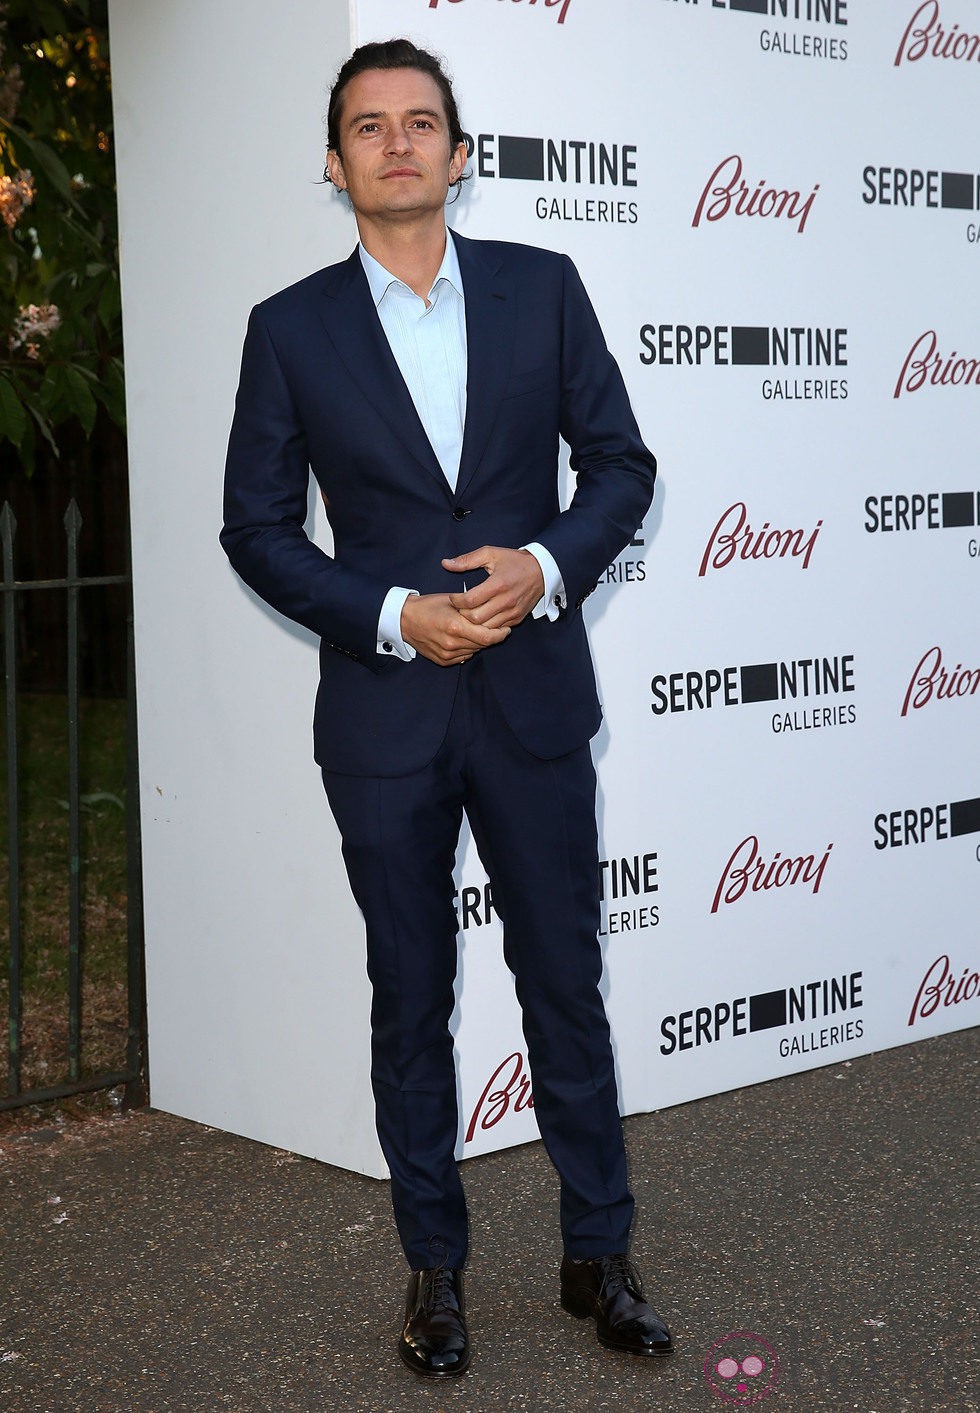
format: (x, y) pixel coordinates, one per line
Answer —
(911, 189)
(795, 687)
(787, 37)
(907, 511)
(586, 178)
(801, 352)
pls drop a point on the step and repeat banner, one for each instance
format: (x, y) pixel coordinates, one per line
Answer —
(776, 209)
(775, 205)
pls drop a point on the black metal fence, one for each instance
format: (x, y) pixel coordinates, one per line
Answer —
(132, 1074)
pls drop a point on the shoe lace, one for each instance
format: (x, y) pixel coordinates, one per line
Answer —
(438, 1289)
(621, 1274)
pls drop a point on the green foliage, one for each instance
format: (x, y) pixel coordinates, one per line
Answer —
(60, 317)
(43, 830)
(44, 873)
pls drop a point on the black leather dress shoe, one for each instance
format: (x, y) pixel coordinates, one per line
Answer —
(609, 1290)
(434, 1340)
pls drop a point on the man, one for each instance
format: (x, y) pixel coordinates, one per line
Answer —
(427, 380)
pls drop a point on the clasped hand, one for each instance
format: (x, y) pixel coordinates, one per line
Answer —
(449, 628)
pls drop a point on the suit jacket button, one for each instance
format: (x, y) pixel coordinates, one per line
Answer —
(459, 513)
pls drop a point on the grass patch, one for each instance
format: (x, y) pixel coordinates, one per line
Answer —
(44, 883)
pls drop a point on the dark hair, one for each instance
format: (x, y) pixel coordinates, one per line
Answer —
(392, 54)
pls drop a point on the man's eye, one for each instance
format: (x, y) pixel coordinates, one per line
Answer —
(422, 123)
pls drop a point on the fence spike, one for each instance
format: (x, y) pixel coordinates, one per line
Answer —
(8, 523)
(73, 517)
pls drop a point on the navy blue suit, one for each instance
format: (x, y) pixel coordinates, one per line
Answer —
(407, 747)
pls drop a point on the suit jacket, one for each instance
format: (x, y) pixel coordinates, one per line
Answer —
(320, 389)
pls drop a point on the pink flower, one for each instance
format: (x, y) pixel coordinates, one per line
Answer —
(15, 193)
(34, 322)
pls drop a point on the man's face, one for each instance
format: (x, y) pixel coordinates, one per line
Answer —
(398, 161)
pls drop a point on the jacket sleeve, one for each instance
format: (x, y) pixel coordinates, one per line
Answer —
(267, 479)
(614, 472)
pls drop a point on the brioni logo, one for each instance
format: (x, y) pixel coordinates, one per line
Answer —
(561, 6)
(941, 987)
(747, 871)
(925, 364)
(508, 1089)
(734, 538)
(726, 191)
(933, 681)
(925, 37)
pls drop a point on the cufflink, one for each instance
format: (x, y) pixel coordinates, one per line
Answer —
(387, 647)
(559, 602)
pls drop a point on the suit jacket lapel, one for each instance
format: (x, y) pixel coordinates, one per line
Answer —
(354, 329)
(490, 327)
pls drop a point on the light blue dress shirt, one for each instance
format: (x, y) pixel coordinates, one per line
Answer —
(428, 341)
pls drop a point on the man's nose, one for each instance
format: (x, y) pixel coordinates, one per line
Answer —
(399, 138)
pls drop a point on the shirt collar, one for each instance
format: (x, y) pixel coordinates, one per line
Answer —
(379, 279)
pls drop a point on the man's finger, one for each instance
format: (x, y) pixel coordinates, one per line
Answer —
(475, 559)
(477, 633)
(459, 631)
(475, 597)
(502, 618)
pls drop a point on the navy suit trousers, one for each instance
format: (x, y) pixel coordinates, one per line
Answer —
(534, 824)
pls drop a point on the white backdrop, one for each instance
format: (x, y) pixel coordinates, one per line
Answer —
(788, 879)
(257, 999)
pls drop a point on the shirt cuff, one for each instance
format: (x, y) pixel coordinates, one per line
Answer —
(390, 640)
(554, 599)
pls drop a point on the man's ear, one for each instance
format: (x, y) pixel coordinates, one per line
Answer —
(334, 170)
(457, 162)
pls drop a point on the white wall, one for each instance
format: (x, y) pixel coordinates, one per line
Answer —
(258, 1007)
(256, 990)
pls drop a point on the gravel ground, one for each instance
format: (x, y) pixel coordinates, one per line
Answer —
(149, 1263)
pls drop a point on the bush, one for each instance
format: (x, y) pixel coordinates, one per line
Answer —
(61, 339)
